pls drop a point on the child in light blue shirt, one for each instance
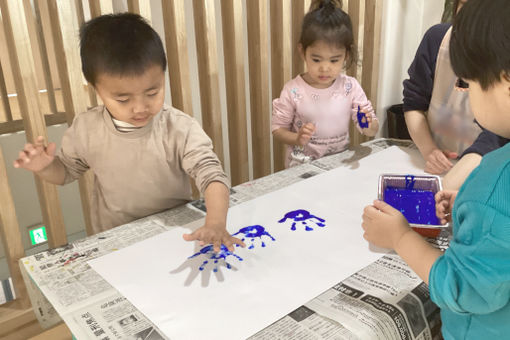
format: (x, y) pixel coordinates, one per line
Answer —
(470, 282)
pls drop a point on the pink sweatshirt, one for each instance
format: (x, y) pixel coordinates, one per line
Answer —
(330, 109)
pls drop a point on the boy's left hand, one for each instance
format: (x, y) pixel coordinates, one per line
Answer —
(214, 234)
(384, 225)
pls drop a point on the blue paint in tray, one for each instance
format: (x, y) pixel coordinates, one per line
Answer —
(418, 206)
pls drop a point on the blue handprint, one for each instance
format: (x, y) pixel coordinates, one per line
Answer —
(254, 231)
(304, 217)
(222, 254)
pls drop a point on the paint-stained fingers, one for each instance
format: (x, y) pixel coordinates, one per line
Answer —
(238, 242)
(216, 245)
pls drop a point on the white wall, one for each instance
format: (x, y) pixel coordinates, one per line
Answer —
(403, 24)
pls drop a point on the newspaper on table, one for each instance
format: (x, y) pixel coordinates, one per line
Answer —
(381, 301)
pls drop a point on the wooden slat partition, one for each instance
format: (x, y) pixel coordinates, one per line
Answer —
(99, 7)
(64, 27)
(43, 52)
(258, 53)
(81, 19)
(281, 59)
(4, 96)
(20, 54)
(233, 48)
(10, 234)
(354, 13)
(142, 7)
(299, 8)
(371, 48)
(205, 35)
(177, 54)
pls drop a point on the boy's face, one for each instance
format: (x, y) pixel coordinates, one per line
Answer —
(492, 107)
(133, 99)
(324, 62)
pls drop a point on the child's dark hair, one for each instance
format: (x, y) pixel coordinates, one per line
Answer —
(480, 41)
(326, 21)
(119, 44)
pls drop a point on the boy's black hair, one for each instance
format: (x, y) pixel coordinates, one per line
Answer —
(480, 41)
(327, 21)
(119, 44)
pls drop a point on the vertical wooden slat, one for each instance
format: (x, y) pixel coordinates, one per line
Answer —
(81, 19)
(370, 60)
(233, 46)
(177, 54)
(371, 48)
(4, 95)
(20, 54)
(354, 14)
(298, 12)
(142, 7)
(10, 235)
(64, 27)
(259, 86)
(281, 58)
(205, 31)
(44, 55)
(99, 7)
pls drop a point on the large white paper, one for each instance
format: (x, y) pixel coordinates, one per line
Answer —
(186, 303)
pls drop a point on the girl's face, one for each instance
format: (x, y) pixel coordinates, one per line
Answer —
(324, 62)
(492, 107)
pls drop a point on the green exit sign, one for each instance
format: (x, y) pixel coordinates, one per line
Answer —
(38, 235)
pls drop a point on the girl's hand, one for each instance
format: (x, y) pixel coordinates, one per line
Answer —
(438, 161)
(215, 235)
(444, 204)
(384, 225)
(305, 133)
(36, 157)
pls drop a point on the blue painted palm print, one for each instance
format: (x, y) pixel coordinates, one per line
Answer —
(304, 217)
(215, 257)
(253, 232)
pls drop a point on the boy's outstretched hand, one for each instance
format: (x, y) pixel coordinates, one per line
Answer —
(36, 157)
(215, 235)
(444, 204)
(384, 225)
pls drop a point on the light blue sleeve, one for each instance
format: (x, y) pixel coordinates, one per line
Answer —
(473, 275)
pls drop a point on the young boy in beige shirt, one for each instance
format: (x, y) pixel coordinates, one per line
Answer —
(140, 150)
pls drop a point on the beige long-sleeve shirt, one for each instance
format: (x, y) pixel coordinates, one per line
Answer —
(139, 173)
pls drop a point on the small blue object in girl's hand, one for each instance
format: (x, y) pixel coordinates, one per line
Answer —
(362, 119)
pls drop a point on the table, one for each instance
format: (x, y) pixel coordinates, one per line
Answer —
(384, 300)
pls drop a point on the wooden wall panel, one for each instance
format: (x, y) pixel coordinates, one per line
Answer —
(233, 51)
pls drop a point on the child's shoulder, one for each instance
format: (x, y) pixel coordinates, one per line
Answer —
(92, 116)
(175, 120)
(491, 179)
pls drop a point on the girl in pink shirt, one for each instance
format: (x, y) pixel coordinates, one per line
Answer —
(313, 113)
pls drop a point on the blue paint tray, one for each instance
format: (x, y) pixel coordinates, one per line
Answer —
(422, 219)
